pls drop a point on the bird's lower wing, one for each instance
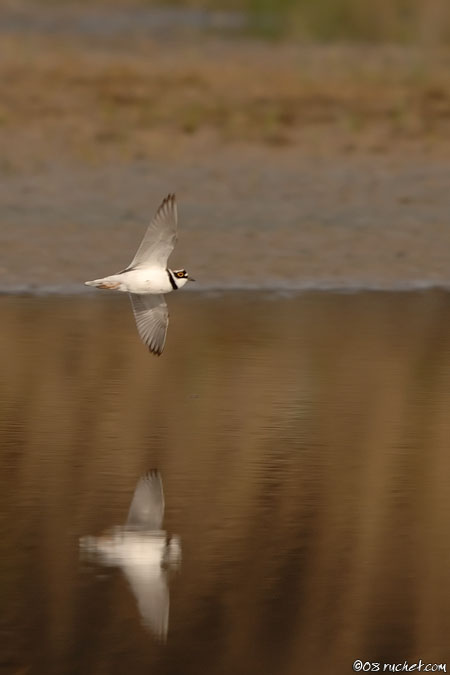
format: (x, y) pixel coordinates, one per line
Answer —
(152, 318)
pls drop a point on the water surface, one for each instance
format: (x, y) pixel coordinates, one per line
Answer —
(303, 443)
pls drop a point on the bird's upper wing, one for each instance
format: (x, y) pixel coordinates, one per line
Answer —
(152, 319)
(147, 506)
(160, 238)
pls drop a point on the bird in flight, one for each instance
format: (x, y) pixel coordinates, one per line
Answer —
(147, 278)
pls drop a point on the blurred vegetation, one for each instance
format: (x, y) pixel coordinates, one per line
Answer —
(384, 21)
(70, 92)
(74, 98)
(354, 20)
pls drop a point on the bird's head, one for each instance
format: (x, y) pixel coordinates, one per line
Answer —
(181, 277)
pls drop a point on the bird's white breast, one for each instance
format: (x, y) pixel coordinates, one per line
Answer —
(129, 547)
(147, 281)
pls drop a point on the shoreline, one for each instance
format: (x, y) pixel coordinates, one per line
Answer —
(269, 290)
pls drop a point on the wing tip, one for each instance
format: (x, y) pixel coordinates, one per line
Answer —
(170, 201)
(152, 474)
(156, 347)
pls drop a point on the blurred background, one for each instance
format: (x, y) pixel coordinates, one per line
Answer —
(299, 413)
(300, 137)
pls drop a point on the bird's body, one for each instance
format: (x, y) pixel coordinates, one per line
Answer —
(147, 279)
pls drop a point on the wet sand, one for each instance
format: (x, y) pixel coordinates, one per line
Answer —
(254, 219)
(303, 444)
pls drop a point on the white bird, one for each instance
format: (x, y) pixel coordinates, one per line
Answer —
(143, 552)
(147, 278)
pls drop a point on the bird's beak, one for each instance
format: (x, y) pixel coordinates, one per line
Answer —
(191, 279)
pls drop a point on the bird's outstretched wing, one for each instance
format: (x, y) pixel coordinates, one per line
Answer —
(152, 319)
(149, 585)
(160, 238)
(147, 506)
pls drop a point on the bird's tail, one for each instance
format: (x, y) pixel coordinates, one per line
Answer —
(110, 283)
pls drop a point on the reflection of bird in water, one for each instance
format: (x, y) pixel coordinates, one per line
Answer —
(143, 552)
(147, 277)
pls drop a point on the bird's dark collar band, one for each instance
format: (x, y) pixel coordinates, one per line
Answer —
(173, 283)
